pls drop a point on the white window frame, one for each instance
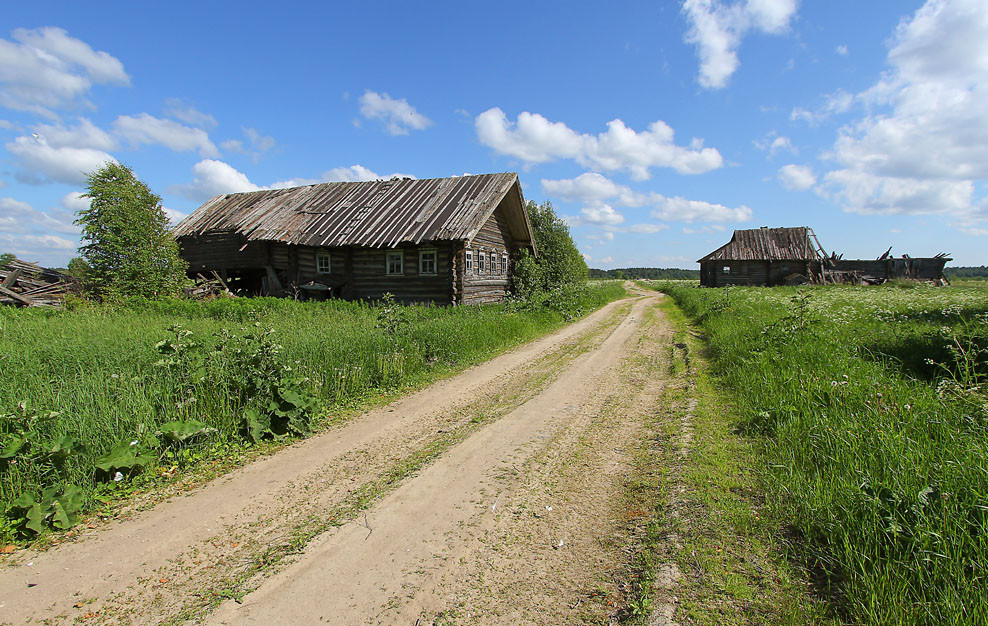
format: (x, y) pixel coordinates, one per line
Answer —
(390, 254)
(727, 269)
(320, 256)
(494, 262)
(423, 252)
(482, 262)
(468, 262)
(504, 263)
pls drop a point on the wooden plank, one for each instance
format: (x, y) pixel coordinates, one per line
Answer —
(11, 279)
(16, 296)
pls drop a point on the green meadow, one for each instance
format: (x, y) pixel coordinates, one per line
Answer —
(871, 407)
(93, 396)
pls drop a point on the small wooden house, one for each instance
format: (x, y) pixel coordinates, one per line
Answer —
(441, 240)
(762, 256)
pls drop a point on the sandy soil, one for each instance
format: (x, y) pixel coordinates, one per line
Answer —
(514, 516)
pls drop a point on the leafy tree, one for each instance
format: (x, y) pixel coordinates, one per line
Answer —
(559, 262)
(125, 238)
(78, 268)
(6, 258)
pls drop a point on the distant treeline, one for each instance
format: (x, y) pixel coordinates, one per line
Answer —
(979, 271)
(657, 273)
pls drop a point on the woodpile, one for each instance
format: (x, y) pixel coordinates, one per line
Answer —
(209, 288)
(27, 284)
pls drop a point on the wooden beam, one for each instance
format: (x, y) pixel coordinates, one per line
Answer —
(16, 296)
(11, 279)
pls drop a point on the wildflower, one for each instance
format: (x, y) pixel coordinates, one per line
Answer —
(118, 477)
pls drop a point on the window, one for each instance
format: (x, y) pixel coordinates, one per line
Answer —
(493, 262)
(504, 263)
(469, 262)
(482, 262)
(322, 263)
(727, 269)
(395, 262)
(427, 261)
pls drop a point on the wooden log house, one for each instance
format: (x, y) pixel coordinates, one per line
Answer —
(441, 240)
(784, 256)
(761, 256)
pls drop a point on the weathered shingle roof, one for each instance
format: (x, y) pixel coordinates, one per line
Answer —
(767, 244)
(376, 214)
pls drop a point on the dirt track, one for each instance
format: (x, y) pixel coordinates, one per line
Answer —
(492, 497)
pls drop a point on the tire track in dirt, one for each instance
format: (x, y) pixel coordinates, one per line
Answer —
(392, 564)
(153, 567)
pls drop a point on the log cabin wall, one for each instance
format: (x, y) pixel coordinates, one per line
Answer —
(489, 283)
(222, 250)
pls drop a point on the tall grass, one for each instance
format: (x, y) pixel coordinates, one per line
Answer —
(99, 369)
(873, 407)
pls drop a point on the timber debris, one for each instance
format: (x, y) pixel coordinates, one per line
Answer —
(27, 284)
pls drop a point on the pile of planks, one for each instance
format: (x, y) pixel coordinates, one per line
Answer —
(209, 288)
(27, 284)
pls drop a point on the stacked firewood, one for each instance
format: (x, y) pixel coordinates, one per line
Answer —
(27, 284)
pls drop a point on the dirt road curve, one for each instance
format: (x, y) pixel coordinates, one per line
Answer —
(492, 497)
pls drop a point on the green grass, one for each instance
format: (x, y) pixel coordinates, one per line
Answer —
(870, 407)
(98, 368)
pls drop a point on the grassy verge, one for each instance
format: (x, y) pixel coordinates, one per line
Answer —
(869, 408)
(85, 385)
(708, 553)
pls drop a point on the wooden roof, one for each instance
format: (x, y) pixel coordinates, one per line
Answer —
(377, 214)
(767, 244)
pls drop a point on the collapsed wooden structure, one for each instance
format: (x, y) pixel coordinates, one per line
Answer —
(790, 256)
(27, 284)
(441, 240)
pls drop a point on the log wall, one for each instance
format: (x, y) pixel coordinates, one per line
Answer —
(493, 238)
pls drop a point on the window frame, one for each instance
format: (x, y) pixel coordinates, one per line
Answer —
(329, 263)
(493, 264)
(504, 263)
(468, 261)
(435, 261)
(400, 254)
(482, 262)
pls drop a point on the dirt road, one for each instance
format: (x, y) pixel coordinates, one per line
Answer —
(495, 496)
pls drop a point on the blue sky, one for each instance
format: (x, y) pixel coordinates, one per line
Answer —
(654, 128)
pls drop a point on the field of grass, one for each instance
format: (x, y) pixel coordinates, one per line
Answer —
(871, 407)
(95, 396)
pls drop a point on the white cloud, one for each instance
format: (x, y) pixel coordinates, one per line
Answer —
(185, 112)
(796, 177)
(42, 163)
(147, 129)
(174, 217)
(212, 178)
(397, 116)
(6, 125)
(258, 144)
(647, 229)
(841, 50)
(924, 141)
(607, 259)
(75, 201)
(354, 173)
(591, 188)
(862, 192)
(594, 189)
(535, 139)
(773, 144)
(717, 28)
(85, 134)
(603, 215)
(21, 218)
(46, 70)
(681, 209)
(261, 143)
